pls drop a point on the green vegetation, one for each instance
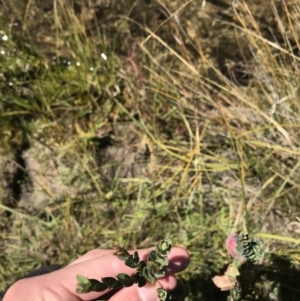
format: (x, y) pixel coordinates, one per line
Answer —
(128, 122)
(148, 271)
(239, 273)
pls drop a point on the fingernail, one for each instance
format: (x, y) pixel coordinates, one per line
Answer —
(148, 292)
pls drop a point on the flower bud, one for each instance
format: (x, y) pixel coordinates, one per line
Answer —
(231, 246)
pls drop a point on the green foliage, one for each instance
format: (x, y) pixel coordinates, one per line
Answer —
(244, 249)
(153, 269)
(253, 249)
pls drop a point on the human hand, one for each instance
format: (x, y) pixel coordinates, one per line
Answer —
(61, 285)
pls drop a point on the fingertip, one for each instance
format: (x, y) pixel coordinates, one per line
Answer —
(179, 259)
(168, 282)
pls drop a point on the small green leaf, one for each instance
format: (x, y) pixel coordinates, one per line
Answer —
(99, 286)
(141, 282)
(109, 281)
(141, 266)
(117, 285)
(159, 274)
(136, 257)
(164, 246)
(123, 277)
(83, 285)
(162, 262)
(130, 282)
(152, 266)
(121, 253)
(162, 294)
(148, 274)
(80, 290)
(82, 280)
(131, 262)
(152, 256)
(136, 277)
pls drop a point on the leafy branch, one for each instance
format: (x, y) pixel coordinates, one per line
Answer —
(153, 269)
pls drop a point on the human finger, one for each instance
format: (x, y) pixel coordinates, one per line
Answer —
(174, 265)
(96, 253)
(62, 283)
(111, 266)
